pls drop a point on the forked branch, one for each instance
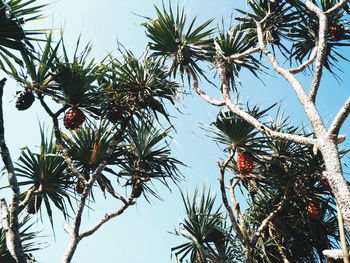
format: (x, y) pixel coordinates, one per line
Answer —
(201, 92)
(268, 219)
(106, 218)
(222, 167)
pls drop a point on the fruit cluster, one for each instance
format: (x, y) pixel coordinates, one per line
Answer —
(314, 210)
(337, 32)
(245, 163)
(74, 118)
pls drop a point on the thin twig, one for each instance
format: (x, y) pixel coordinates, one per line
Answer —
(106, 218)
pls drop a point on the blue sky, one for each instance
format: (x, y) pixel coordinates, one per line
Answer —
(141, 233)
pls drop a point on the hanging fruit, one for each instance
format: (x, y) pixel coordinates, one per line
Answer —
(114, 115)
(25, 99)
(34, 204)
(137, 190)
(314, 210)
(74, 118)
(337, 32)
(245, 163)
(79, 186)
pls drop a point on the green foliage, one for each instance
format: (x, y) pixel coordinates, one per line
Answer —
(232, 42)
(147, 157)
(209, 240)
(234, 132)
(75, 79)
(173, 37)
(138, 86)
(13, 15)
(47, 175)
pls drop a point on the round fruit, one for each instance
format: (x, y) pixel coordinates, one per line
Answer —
(137, 191)
(245, 163)
(25, 99)
(314, 210)
(73, 119)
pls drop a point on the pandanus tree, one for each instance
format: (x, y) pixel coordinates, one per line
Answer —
(105, 135)
(111, 141)
(308, 35)
(290, 213)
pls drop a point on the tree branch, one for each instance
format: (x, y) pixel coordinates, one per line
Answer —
(222, 167)
(321, 47)
(231, 59)
(201, 92)
(306, 102)
(29, 194)
(255, 122)
(268, 219)
(238, 210)
(340, 118)
(116, 195)
(106, 218)
(13, 239)
(336, 7)
(74, 231)
(342, 237)
(305, 64)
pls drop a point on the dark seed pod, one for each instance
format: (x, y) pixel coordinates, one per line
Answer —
(137, 191)
(25, 99)
(214, 236)
(34, 204)
(79, 187)
(114, 115)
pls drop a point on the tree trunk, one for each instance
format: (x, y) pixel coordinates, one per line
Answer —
(70, 250)
(335, 177)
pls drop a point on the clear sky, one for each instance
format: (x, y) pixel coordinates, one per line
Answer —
(141, 233)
